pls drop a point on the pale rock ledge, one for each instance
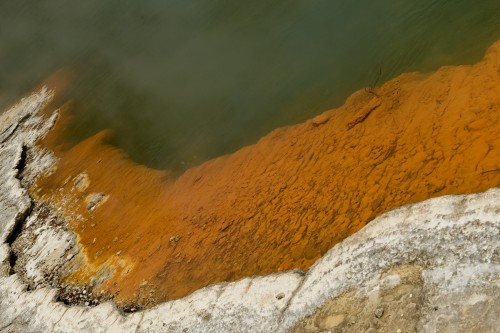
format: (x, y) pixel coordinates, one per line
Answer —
(427, 267)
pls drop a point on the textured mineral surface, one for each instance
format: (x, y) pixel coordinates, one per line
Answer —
(88, 239)
(144, 236)
(427, 267)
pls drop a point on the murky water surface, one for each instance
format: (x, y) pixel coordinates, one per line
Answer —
(184, 81)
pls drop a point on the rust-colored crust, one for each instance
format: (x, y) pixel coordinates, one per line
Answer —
(283, 202)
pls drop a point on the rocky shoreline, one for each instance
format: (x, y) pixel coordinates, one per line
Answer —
(427, 267)
(218, 248)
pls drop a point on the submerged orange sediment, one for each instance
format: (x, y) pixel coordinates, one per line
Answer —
(283, 202)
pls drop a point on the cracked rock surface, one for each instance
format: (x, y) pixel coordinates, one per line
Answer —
(433, 266)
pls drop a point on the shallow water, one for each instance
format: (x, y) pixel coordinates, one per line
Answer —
(184, 81)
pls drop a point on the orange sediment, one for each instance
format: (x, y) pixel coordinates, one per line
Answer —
(283, 202)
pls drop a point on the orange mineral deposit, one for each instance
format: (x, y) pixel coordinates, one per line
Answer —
(283, 202)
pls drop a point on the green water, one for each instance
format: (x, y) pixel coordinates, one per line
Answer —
(183, 81)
